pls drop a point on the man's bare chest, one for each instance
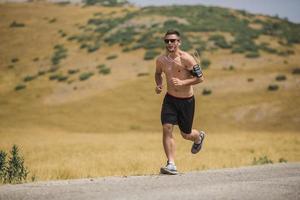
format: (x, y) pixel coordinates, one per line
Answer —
(175, 69)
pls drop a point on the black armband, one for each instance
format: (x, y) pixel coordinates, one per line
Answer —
(196, 71)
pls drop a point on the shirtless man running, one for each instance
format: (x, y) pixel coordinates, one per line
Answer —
(181, 72)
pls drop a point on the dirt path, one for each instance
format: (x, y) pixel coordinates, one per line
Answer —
(278, 181)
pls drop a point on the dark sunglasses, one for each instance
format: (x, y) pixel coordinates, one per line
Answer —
(167, 41)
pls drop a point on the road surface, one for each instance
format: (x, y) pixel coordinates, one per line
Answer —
(277, 181)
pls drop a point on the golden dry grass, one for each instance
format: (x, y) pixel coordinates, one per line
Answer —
(59, 155)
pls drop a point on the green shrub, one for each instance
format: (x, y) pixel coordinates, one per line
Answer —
(114, 56)
(59, 54)
(250, 79)
(126, 49)
(52, 20)
(86, 75)
(206, 91)
(105, 2)
(58, 77)
(2, 165)
(282, 160)
(15, 24)
(29, 78)
(73, 71)
(205, 63)
(151, 54)
(41, 72)
(53, 69)
(231, 67)
(252, 55)
(261, 161)
(280, 78)
(93, 48)
(273, 87)
(105, 71)
(101, 66)
(36, 59)
(14, 60)
(237, 50)
(219, 40)
(122, 37)
(20, 87)
(62, 78)
(296, 70)
(14, 170)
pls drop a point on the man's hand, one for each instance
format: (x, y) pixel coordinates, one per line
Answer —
(177, 82)
(158, 89)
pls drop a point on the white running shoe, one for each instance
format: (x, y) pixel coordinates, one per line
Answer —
(169, 169)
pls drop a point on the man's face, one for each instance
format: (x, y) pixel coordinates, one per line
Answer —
(172, 42)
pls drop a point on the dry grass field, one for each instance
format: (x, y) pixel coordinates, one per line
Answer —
(59, 155)
(109, 125)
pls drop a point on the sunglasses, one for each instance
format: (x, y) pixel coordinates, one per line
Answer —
(167, 41)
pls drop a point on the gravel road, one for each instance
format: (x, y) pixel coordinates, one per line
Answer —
(277, 181)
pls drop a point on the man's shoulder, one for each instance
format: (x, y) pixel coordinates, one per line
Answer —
(185, 55)
(161, 58)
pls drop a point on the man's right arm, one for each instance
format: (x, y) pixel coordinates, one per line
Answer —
(158, 76)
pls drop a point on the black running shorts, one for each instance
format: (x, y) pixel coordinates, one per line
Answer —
(178, 111)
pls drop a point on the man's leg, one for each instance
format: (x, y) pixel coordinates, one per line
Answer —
(193, 136)
(197, 137)
(169, 142)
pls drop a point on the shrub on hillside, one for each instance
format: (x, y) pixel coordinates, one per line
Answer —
(111, 57)
(122, 37)
(52, 20)
(53, 69)
(73, 71)
(14, 60)
(92, 48)
(41, 72)
(273, 87)
(252, 55)
(20, 87)
(60, 52)
(150, 54)
(280, 78)
(250, 79)
(104, 71)
(58, 77)
(205, 63)
(206, 91)
(36, 59)
(29, 78)
(296, 71)
(105, 2)
(219, 40)
(15, 24)
(86, 75)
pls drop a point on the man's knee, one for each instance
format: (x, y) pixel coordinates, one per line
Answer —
(167, 128)
(185, 135)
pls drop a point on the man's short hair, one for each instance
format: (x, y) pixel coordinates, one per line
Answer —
(172, 32)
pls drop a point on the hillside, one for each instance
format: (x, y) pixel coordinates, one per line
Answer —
(78, 67)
